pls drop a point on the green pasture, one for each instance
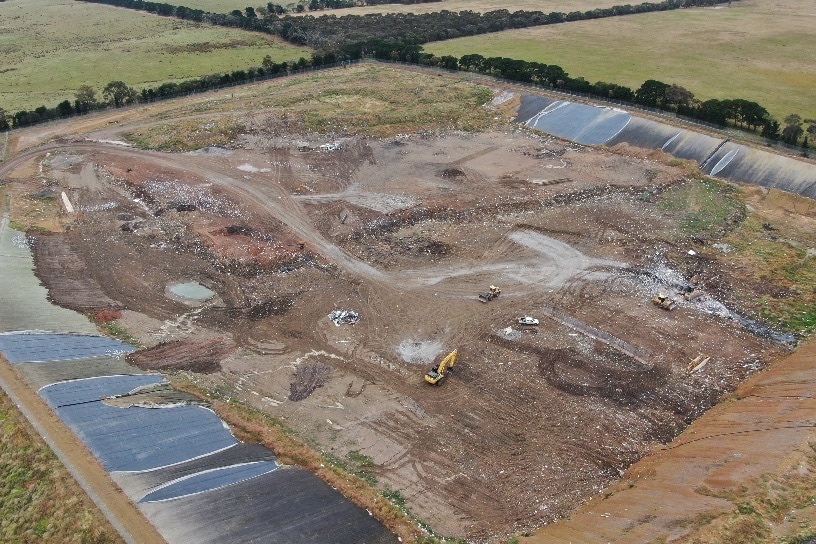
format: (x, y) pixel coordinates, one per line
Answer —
(48, 48)
(481, 6)
(759, 50)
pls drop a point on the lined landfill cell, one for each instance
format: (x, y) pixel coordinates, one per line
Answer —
(135, 438)
(716, 155)
(38, 347)
(180, 463)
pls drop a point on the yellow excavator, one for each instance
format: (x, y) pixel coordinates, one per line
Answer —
(437, 373)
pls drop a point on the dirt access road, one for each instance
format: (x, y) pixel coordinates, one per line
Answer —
(406, 230)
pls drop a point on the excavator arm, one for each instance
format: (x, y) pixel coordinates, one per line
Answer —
(437, 373)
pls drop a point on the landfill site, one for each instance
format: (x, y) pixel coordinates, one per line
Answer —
(321, 279)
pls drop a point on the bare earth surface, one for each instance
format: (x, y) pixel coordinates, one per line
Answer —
(407, 231)
(767, 428)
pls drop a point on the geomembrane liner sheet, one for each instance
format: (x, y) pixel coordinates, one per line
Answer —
(38, 375)
(135, 438)
(93, 389)
(591, 125)
(210, 480)
(139, 484)
(38, 347)
(285, 506)
(588, 125)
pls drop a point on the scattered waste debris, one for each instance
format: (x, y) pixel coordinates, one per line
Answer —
(344, 317)
(697, 363)
(662, 300)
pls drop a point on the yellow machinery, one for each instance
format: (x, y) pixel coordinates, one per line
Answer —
(434, 377)
(490, 295)
(662, 300)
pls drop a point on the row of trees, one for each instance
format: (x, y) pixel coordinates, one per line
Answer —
(315, 5)
(117, 94)
(652, 93)
(737, 112)
(329, 32)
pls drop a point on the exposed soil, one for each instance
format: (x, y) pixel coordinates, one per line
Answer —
(197, 356)
(406, 232)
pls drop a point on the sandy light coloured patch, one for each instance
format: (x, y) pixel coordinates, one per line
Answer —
(419, 351)
(246, 167)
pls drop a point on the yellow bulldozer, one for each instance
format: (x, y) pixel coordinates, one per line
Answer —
(437, 373)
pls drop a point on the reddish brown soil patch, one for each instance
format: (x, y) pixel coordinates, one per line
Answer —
(203, 357)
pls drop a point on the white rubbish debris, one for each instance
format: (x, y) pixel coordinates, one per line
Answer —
(692, 252)
(510, 333)
(347, 317)
(69, 208)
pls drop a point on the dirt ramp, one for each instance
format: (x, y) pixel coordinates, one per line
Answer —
(199, 356)
(64, 272)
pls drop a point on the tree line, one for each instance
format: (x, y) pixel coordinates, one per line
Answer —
(329, 32)
(117, 94)
(744, 114)
(737, 112)
(355, 37)
(319, 5)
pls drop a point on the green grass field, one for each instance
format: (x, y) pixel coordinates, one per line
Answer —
(48, 48)
(759, 50)
(224, 6)
(39, 501)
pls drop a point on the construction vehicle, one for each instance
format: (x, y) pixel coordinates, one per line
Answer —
(662, 300)
(437, 373)
(490, 295)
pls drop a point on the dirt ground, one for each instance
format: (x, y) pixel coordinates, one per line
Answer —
(407, 231)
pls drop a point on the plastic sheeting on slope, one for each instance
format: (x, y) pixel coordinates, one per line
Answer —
(135, 438)
(285, 506)
(592, 125)
(765, 169)
(588, 125)
(139, 484)
(40, 347)
(210, 480)
(681, 143)
(38, 375)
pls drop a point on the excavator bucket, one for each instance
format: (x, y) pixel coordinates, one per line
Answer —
(437, 373)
